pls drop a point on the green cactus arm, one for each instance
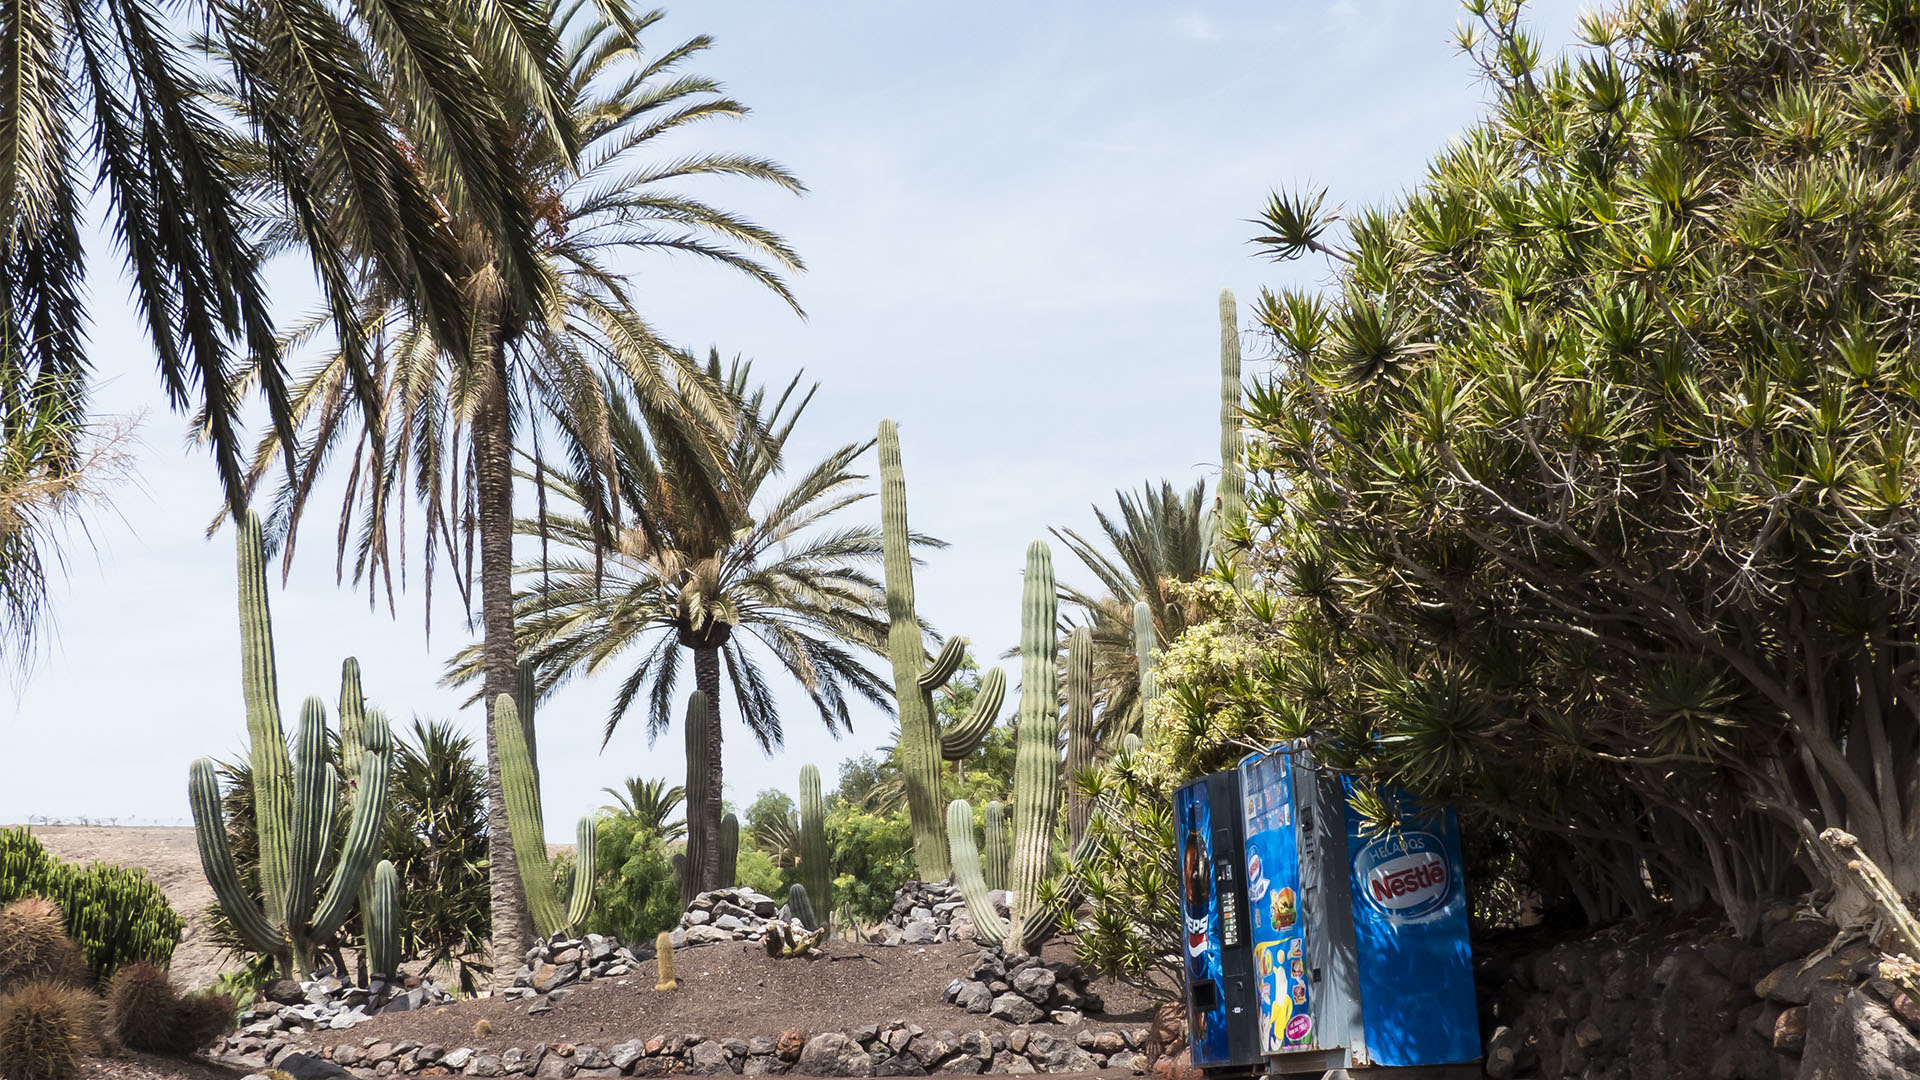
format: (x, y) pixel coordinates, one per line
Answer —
(1143, 646)
(1079, 728)
(216, 860)
(272, 768)
(1036, 768)
(353, 711)
(918, 751)
(815, 866)
(586, 865)
(525, 689)
(697, 795)
(996, 851)
(729, 850)
(1233, 475)
(524, 822)
(382, 920)
(988, 929)
(966, 736)
(361, 849)
(1131, 744)
(952, 654)
(312, 812)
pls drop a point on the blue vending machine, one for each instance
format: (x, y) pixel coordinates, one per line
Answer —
(1359, 942)
(1217, 957)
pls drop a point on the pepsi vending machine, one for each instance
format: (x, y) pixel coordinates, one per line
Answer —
(1221, 1006)
(1359, 943)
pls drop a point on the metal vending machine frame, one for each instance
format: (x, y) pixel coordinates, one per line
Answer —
(1359, 943)
(1217, 959)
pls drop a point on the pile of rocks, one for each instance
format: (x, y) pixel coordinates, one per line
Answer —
(561, 961)
(927, 912)
(325, 1003)
(727, 915)
(874, 1050)
(1023, 989)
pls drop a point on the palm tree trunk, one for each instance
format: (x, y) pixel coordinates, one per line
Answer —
(706, 676)
(493, 477)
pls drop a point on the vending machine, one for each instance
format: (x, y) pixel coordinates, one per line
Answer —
(1221, 1004)
(1358, 940)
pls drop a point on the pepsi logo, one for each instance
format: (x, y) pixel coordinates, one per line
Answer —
(1404, 876)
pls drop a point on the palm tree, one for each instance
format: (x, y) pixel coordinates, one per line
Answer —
(101, 96)
(1159, 537)
(651, 804)
(436, 836)
(528, 368)
(707, 565)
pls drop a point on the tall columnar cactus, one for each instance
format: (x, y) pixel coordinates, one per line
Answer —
(294, 795)
(800, 907)
(1036, 761)
(988, 927)
(1143, 646)
(816, 871)
(1233, 475)
(381, 918)
(1079, 728)
(353, 720)
(697, 784)
(922, 745)
(729, 851)
(527, 825)
(996, 852)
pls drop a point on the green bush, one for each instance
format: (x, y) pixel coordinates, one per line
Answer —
(872, 858)
(118, 916)
(636, 896)
(756, 870)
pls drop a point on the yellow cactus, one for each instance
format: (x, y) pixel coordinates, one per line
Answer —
(482, 1029)
(663, 954)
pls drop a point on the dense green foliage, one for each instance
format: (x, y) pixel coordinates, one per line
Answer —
(436, 838)
(1586, 498)
(117, 916)
(635, 896)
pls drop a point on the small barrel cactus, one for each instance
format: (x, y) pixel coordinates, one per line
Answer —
(47, 1029)
(34, 946)
(663, 956)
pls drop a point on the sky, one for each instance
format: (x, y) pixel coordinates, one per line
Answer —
(1019, 220)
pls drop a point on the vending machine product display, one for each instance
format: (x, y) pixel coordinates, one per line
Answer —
(1356, 940)
(1221, 1010)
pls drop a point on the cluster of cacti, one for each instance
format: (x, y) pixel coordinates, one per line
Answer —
(663, 957)
(729, 851)
(816, 868)
(1036, 774)
(800, 907)
(117, 916)
(34, 946)
(997, 850)
(145, 1011)
(783, 941)
(1080, 742)
(922, 746)
(293, 795)
(1232, 493)
(527, 824)
(46, 1030)
(697, 794)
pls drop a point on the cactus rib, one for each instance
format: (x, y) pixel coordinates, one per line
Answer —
(383, 920)
(1079, 729)
(255, 927)
(966, 736)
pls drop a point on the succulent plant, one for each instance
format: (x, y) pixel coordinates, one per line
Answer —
(922, 746)
(1036, 760)
(997, 850)
(293, 794)
(527, 824)
(663, 957)
(381, 918)
(47, 1029)
(1143, 646)
(34, 946)
(1080, 741)
(697, 796)
(783, 941)
(729, 850)
(1233, 473)
(988, 928)
(800, 907)
(115, 914)
(816, 868)
(145, 1011)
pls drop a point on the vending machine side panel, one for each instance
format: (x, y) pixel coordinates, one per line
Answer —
(1410, 926)
(1326, 905)
(1220, 1003)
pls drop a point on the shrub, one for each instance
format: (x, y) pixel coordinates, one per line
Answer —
(146, 1012)
(872, 858)
(636, 895)
(46, 1031)
(34, 946)
(117, 916)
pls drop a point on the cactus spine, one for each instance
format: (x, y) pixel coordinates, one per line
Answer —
(382, 921)
(1079, 728)
(663, 955)
(988, 929)
(527, 825)
(816, 872)
(294, 794)
(697, 853)
(996, 852)
(922, 745)
(729, 851)
(1036, 762)
(799, 907)
(1233, 476)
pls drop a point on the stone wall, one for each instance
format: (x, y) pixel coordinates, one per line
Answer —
(1646, 1002)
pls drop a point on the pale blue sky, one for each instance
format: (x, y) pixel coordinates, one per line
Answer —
(1020, 217)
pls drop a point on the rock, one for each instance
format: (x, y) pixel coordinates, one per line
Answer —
(788, 1046)
(308, 1067)
(1790, 1030)
(974, 997)
(760, 1065)
(623, 1055)
(1587, 1035)
(554, 1067)
(285, 992)
(484, 1064)
(1793, 939)
(705, 935)
(547, 977)
(1789, 985)
(729, 923)
(1109, 1042)
(1015, 1009)
(833, 1054)
(931, 1049)
(348, 1054)
(1010, 1065)
(1035, 984)
(654, 1066)
(710, 1059)
(918, 932)
(1851, 1036)
(457, 1059)
(899, 1065)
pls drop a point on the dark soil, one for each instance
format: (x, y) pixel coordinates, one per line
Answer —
(736, 990)
(131, 1065)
